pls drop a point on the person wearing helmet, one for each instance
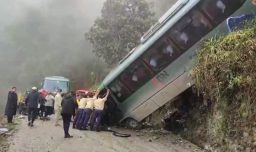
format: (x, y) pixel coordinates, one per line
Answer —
(32, 101)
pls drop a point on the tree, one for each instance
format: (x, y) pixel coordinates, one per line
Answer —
(119, 28)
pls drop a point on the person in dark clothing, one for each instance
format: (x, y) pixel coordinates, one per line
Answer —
(73, 94)
(32, 102)
(11, 105)
(68, 109)
(41, 109)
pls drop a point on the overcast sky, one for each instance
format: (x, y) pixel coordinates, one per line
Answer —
(43, 37)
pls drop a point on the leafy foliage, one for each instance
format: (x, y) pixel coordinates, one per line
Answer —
(224, 67)
(225, 73)
(118, 29)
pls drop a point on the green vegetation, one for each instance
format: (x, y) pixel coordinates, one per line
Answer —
(119, 28)
(225, 73)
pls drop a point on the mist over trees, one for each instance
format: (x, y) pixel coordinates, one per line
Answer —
(44, 38)
(119, 28)
(161, 6)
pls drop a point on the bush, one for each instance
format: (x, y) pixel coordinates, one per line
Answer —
(225, 73)
(226, 66)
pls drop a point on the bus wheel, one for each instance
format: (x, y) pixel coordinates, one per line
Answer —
(132, 124)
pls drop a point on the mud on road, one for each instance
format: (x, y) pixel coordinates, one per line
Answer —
(45, 137)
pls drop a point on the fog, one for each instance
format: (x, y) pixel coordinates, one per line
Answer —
(46, 37)
(43, 38)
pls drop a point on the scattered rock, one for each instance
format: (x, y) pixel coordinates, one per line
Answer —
(21, 117)
(254, 144)
(248, 149)
(156, 137)
(207, 147)
(245, 134)
(139, 135)
(3, 130)
(164, 132)
(150, 140)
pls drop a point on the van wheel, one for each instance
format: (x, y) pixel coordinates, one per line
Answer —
(132, 124)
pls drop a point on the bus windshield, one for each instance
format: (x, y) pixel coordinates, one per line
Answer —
(53, 85)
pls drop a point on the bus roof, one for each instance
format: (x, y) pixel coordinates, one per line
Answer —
(60, 78)
(168, 19)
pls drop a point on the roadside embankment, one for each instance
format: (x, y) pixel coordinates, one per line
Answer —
(219, 112)
(225, 74)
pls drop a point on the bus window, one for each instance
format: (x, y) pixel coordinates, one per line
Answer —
(161, 54)
(136, 75)
(119, 90)
(191, 28)
(218, 10)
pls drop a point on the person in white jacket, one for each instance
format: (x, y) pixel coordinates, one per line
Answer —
(57, 107)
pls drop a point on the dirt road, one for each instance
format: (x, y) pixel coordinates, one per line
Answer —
(45, 137)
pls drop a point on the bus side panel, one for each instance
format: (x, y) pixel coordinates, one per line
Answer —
(173, 78)
(160, 88)
(183, 82)
(137, 99)
(165, 95)
(162, 97)
(145, 109)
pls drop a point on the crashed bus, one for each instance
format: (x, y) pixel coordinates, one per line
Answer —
(157, 70)
(52, 83)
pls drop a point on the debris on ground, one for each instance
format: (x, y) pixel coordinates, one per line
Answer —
(40, 139)
(21, 117)
(3, 130)
(218, 116)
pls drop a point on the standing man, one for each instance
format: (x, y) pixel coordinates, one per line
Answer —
(68, 109)
(42, 101)
(98, 110)
(32, 102)
(49, 104)
(76, 100)
(11, 105)
(57, 106)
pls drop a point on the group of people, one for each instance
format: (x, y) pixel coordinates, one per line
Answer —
(39, 104)
(90, 106)
(86, 109)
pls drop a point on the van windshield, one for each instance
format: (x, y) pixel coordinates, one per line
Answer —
(53, 85)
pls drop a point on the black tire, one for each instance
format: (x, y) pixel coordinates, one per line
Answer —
(118, 134)
(132, 124)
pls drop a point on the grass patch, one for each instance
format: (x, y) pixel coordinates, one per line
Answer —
(225, 73)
